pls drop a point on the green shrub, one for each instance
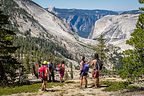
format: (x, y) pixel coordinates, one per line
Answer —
(26, 88)
(20, 89)
(116, 86)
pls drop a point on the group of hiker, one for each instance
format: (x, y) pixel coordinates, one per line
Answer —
(84, 68)
(47, 68)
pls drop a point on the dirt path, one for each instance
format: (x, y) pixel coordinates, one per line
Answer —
(70, 88)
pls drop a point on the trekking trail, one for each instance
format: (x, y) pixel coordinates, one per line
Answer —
(70, 88)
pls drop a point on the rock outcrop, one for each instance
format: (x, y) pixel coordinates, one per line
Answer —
(116, 29)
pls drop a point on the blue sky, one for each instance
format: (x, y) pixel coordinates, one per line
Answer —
(116, 5)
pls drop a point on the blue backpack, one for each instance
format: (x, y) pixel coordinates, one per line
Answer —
(86, 68)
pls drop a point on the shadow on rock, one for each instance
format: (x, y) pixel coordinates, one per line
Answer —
(101, 86)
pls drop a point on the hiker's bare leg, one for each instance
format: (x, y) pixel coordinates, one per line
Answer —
(61, 79)
(81, 80)
(85, 77)
(96, 82)
(45, 85)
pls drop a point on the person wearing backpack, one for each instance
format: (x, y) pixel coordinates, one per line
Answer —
(84, 67)
(97, 66)
(43, 71)
(51, 69)
(61, 70)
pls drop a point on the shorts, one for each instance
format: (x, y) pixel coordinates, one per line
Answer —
(95, 74)
(61, 75)
(44, 79)
(83, 74)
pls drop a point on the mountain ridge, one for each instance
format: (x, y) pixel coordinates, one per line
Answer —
(81, 21)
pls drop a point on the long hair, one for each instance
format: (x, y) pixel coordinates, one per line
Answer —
(96, 56)
(83, 59)
(62, 62)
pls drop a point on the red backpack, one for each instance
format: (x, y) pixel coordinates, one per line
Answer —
(60, 67)
(42, 71)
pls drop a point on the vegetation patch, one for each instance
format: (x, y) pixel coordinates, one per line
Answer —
(20, 89)
(50, 85)
(115, 86)
(26, 88)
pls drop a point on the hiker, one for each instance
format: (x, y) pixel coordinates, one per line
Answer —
(51, 69)
(96, 69)
(83, 71)
(43, 71)
(61, 70)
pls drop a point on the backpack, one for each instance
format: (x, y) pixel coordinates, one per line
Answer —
(60, 67)
(86, 68)
(99, 64)
(42, 71)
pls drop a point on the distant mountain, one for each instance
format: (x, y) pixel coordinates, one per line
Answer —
(131, 12)
(81, 21)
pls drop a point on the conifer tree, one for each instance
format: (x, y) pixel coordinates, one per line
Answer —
(71, 73)
(66, 75)
(133, 60)
(8, 64)
(101, 48)
(27, 64)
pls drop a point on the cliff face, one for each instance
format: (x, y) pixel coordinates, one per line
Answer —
(116, 29)
(31, 19)
(80, 21)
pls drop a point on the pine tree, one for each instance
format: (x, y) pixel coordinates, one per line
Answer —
(66, 76)
(71, 73)
(133, 60)
(8, 64)
(27, 64)
(114, 57)
(100, 48)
